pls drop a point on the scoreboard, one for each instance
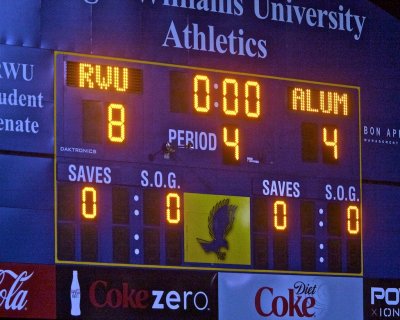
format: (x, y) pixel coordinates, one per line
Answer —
(202, 159)
(203, 168)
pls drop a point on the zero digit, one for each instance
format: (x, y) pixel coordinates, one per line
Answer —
(231, 108)
(252, 93)
(173, 204)
(201, 84)
(353, 220)
(280, 215)
(89, 203)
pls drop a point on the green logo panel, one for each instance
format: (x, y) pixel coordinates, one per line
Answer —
(217, 229)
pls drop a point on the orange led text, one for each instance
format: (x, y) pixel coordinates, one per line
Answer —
(103, 77)
(319, 101)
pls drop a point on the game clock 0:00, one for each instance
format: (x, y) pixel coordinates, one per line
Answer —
(167, 165)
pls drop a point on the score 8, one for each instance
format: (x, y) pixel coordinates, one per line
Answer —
(116, 122)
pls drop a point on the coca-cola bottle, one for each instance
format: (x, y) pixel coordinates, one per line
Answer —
(75, 295)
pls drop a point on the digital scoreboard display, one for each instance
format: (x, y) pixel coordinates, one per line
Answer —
(174, 166)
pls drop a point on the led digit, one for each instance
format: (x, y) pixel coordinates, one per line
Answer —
(116, 122)
(123, 86)
(89, 203)
(104, 81)
(332, 141)
(280, 215)
(173, 208)
(203, 107)
(353, 220)
(85, 73)
(230, 109)
(340, 101)
(252, 93)
(328, 106)
(319, 101)
(232, 143)
(300, 99)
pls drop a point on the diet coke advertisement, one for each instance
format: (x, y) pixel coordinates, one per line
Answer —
(283, 297)
(27, 291)
(127, 293)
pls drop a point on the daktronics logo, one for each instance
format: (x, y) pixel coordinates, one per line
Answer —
(298, 302)
(101, 295)
(13, 297)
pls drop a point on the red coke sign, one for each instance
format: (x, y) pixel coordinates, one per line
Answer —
(292, 305)
(25, 289)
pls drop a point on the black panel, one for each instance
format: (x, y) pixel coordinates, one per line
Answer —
(66, 241)
(353, 255)
(334, 219)
(309, 142)
(260, 247)
(260, 214)
(121, 246)
(334, 255)
(307, 213)
(151, 246)
(151, 207)
(93, 123)
(308, 254)
(180, 92)
(173, 240)
(89, 242)
(281, 252)
(120, 205)
(66, 202)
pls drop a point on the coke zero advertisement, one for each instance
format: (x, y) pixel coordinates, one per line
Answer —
(125, 293)
(27, 291)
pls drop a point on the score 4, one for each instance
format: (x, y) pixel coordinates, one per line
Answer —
(327, 136)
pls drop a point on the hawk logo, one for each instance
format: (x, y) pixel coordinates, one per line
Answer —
(220, 223)
(217, 229)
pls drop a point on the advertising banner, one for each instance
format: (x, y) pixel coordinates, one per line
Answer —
(262, 296)
(26, 99)
(27, 291)
(101, 293)
(381, 299)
